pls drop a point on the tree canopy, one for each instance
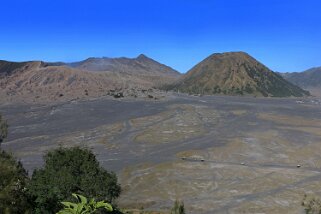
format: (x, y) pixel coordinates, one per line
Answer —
(67, 171)
(13, 179)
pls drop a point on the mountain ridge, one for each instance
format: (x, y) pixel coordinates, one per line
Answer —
(140, 64)
(38, 80)
(305, 79)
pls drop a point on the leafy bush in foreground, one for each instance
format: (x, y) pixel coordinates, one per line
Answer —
(84, 206)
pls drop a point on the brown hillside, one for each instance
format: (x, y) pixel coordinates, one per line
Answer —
(39, 81)
(235, 73)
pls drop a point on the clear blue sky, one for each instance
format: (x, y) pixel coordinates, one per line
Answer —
(283, 34)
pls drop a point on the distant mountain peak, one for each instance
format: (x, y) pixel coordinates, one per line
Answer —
(142, 57)
(141, 65)
(235, 73)
(232, 53)
(240, 55)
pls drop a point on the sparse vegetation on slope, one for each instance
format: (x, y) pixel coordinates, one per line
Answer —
(235, 73)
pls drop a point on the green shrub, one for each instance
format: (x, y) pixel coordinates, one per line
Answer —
(67, 171)
(178, 208)
(3, 129)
